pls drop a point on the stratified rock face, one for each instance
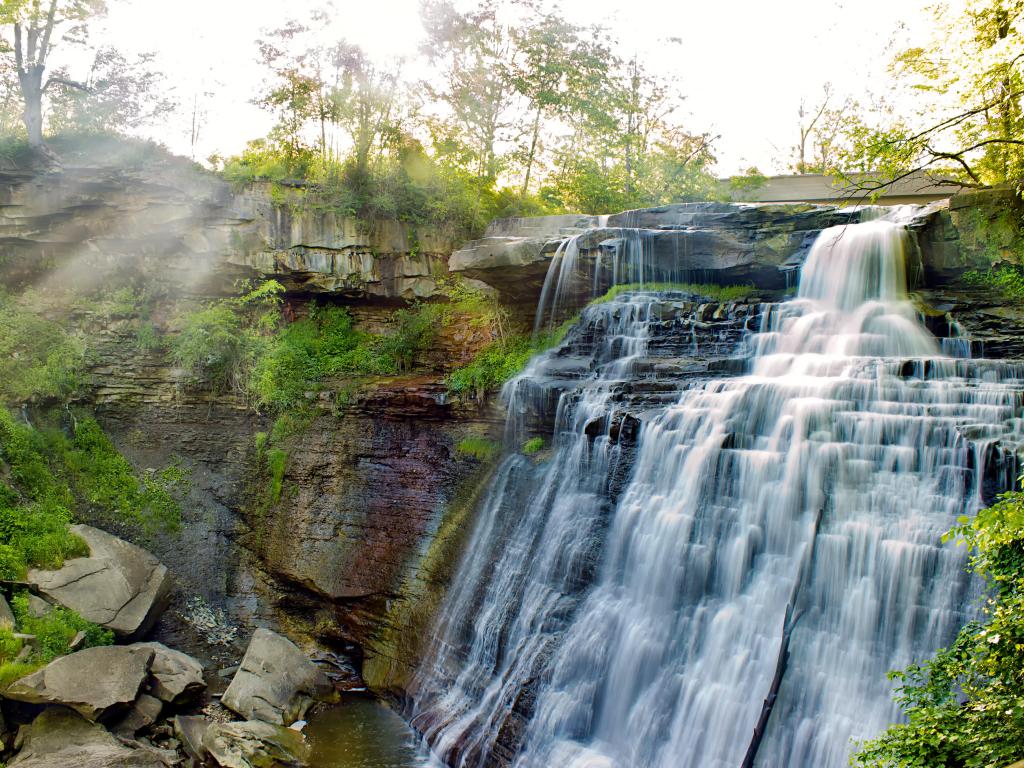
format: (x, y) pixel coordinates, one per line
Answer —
(59, 738)
(97, 682)
(688, 242)
(171, 224)
(324, 252)
(119, 586)
(974, 230)
(255, 745)
(176, 676)
(276, 683)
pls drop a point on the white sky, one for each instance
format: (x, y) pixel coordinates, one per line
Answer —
(744, 64)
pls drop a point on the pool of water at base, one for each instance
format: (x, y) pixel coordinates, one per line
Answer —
(363, 733)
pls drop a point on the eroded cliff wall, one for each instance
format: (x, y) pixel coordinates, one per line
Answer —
(376, 495)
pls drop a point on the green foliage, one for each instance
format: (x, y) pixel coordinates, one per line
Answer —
(35, 507)
(104, 480)
(1008, 279)
(304, 352)
(959, 94)
(219, 344)
(56, 629)
(241, 344)
(749, 181)
(10, 671)
(533, 445)
(413, 331)
(44, 476)
(964, 706)
(719, 293)
(491, 367)
(277, 458)
(500, 360)
(479, 448)
(39, 360)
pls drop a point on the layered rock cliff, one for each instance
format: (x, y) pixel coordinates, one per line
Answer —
(376, 494)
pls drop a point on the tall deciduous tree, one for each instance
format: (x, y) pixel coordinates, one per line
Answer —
(969, 126)
(475, 53)
(119, 95)
(36, 27)
(558, 67)
(365, 102)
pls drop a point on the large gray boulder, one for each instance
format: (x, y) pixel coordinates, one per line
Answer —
(59, 738)
(175, 676)
(276, 683)
(119, 585)
(97, 683)
(255, 744)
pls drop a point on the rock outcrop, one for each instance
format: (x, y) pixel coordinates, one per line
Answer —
(119, 586)
(60, 738)
(254, 744)
(191, 232)
(175, 676)
(98, 683)
(687, 242)
(276, 683)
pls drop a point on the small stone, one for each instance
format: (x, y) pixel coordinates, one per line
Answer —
(190, 732)
(227, 671)
(38, 608)
(6, 614)
(176, 676)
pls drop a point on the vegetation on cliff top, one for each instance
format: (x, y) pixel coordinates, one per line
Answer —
(965, 706)
(488, 137)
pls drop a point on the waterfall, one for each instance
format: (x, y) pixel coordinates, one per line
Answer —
(703, 556)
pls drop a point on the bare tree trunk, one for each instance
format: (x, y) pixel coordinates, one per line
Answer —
(533, 152)
(32, 94)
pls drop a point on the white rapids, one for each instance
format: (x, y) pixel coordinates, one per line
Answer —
(778, 537)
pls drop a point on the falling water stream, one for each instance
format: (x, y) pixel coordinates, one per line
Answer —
(697, 557)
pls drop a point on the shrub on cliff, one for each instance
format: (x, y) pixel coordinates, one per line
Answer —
(965, 706)
(39, 360)
(45, 476)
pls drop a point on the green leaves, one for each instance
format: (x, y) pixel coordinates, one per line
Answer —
(39, 360)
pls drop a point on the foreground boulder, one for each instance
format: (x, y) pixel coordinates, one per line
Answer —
(119, 586)
(276, 683)
(255, 744)
(60, 738)
(97, 683)
(175, 676)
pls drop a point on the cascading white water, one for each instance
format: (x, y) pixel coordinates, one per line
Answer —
(792, 514)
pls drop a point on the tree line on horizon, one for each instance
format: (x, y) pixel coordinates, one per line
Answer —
(524, 111)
